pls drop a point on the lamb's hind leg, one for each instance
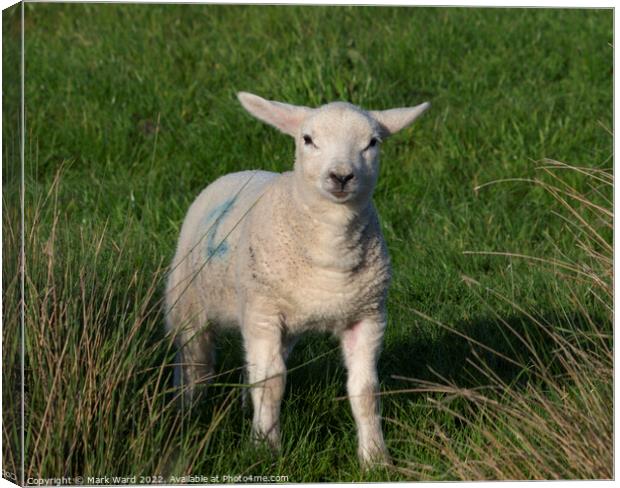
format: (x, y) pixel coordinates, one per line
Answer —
(194, 339)
(194, 360)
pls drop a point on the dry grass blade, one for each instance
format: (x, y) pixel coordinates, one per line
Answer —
(556, 421)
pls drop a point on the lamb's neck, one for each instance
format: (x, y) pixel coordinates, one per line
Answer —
(332, 235)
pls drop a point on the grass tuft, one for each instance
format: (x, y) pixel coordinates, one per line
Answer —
(555, 420)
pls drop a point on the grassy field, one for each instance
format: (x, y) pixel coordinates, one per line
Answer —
(131, 111)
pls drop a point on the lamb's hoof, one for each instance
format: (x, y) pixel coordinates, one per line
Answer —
(269, 441)
(378, 458)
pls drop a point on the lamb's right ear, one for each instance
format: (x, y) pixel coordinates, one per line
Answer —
(283, 116)
(396, 119)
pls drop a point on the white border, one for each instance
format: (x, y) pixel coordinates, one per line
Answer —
(472, 3)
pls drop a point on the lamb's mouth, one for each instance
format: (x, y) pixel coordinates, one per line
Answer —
(340, 195)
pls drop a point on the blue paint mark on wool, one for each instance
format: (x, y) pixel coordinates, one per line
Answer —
(215, 248)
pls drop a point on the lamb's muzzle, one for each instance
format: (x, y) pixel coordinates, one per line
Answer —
(277, 254)
(342, 179)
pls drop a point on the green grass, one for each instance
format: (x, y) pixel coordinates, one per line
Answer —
(134, 107)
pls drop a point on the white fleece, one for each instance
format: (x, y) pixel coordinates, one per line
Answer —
(277, 254)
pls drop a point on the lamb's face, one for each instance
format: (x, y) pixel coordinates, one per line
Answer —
(337, 144)
(338, 153)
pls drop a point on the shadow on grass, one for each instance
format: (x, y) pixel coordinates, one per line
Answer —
(500, 344)
(507, 346)
(317, 377)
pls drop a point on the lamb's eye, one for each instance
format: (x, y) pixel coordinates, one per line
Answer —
(373, 142)
(308, 140)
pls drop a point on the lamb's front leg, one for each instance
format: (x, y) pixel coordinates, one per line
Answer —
(361, 345)
(262, 335)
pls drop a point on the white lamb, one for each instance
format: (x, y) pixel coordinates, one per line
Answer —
(278, 254)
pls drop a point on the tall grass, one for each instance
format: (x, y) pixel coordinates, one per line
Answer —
(555, 421)
(97, 376)
(98, 364)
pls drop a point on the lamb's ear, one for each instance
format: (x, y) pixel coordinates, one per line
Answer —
(283, 116)
(395, 119)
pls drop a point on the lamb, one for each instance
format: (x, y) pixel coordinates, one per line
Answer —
(275, 255)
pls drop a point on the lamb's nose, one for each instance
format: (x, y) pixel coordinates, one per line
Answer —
(342, 179)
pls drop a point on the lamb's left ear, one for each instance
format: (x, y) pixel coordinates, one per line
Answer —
(283, 116)
(395, 119)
